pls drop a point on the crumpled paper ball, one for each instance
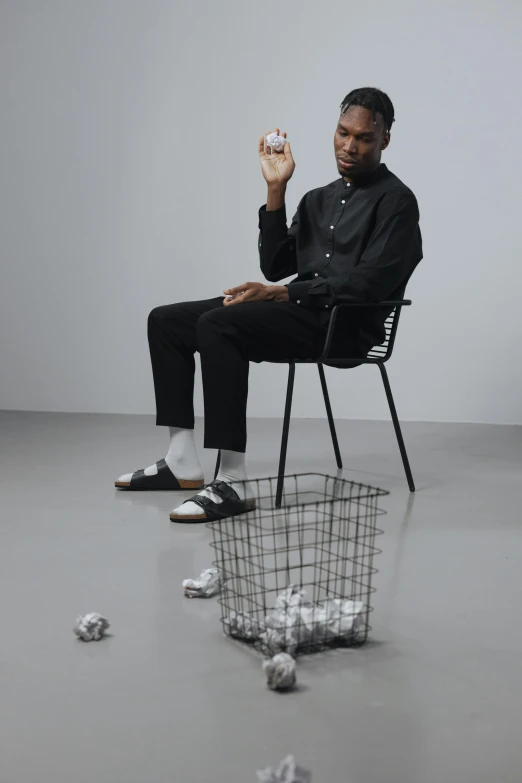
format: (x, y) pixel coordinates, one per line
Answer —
(285, 627)
(206, 585)
(274, 641)
(287, 772)
(294, 620)
(91, 627)
(275, 142)
(339, 617)
(242, 626)
(280, 672)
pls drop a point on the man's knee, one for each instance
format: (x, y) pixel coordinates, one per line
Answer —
(163, 312)
(212, 317)
(215, 322)
(156, 313)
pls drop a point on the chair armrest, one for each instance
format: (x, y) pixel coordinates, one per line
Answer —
(395, 303)
(386, 303)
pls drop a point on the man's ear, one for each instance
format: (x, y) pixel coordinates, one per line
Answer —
(385, 141)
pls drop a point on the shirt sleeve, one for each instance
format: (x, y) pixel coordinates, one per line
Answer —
(392, 253)
(277, 243)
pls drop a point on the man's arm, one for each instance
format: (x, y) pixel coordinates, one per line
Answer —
(277, 243)
(276, 197)
(392, 253)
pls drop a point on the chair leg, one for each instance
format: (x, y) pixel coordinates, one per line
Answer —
(329, 414)
(397, 426)
(284, 439)
(218, 463)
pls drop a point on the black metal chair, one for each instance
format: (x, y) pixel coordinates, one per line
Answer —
(377, 355)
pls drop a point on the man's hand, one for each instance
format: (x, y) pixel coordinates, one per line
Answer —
(277, 167)
(256, 292)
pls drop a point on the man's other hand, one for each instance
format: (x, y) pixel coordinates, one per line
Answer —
(255, 292)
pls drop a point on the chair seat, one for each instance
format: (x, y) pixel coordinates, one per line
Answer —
(378, 354)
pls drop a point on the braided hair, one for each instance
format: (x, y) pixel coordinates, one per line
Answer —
(373, 99)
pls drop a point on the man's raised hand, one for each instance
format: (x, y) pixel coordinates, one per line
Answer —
(277, 167)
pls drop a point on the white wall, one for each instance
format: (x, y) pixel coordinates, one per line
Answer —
(130, 178)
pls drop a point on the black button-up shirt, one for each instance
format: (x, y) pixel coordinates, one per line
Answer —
(348, 242)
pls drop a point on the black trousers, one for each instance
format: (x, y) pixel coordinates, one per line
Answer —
(227, 339)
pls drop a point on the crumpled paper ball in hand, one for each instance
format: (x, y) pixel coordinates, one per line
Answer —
(206, 585)
(280, 672)
(91, 627)
(287, 772)
(275, 142)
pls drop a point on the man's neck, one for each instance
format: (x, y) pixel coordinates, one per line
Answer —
(363, 177)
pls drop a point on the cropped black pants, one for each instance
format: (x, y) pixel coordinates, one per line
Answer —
(227, 339)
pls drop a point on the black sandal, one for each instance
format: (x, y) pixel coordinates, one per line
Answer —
(231, 506)
(163, 479)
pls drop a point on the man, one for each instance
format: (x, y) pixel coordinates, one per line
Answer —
(356, 239)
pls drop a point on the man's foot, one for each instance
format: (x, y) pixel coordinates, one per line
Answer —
(219, 500)
(180, 469)
(157, 476)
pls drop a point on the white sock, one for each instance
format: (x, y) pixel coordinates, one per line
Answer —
(181, 458)
(231, 468)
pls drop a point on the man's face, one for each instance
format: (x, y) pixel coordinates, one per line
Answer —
(359, 141)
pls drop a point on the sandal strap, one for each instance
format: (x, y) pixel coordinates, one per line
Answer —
(221, 488)
(163, 479)
(212, 509)
(224, 490)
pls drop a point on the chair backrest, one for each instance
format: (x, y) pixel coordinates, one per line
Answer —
(382, 352)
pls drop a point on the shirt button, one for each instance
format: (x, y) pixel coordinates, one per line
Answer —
(316, 274)
(343, 202)
(331, 226)
(298, 301)
(347, 184)
(328, 255)
(326, 307)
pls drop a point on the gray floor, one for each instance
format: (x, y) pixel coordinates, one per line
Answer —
(435, 696)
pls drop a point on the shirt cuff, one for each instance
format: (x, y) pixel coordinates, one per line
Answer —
(298, 292)
(276, 217)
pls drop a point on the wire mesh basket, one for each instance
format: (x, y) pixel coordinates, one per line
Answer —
(298, 579)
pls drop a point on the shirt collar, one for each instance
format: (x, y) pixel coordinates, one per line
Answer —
(369, 179)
